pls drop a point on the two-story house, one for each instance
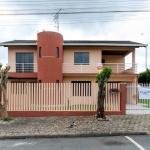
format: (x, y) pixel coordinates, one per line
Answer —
(50, 59)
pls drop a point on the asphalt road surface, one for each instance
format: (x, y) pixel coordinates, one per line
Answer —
(90, 143)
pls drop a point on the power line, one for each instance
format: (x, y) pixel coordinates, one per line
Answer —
(78, 12)
(85, 12)
(76, 18)
(77, 22)
(88, 8)
(68, 3)
(81, 1)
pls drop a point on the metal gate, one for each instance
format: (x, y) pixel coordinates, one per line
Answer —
(134, 105)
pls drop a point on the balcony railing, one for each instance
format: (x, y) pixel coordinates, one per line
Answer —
(23, 67)
(77, 68)
(92, 67)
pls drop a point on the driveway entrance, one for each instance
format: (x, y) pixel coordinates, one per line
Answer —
(134, 105)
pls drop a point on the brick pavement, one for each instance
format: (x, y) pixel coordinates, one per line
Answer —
(86, 126)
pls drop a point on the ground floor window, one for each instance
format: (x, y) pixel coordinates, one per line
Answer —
(81, 88)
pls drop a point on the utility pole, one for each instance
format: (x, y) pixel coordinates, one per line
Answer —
(146, 56)
(145, 53)
(56, 20)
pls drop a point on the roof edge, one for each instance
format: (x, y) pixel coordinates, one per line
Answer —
(72, 43)
(104, 44)
(18, 44)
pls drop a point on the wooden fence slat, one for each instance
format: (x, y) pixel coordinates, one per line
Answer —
(8, 95)
(36, 96)
(34, 87)
(64, 96)
(52, 96)
(54, 90)
(29, 100)
(39, 96)
(14, 96)
(21, 96)
(106, 97)
(49, 92)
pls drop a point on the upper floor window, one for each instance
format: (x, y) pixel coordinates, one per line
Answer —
(81, 58)
(57, 52)
(40, 52)
(24, 62)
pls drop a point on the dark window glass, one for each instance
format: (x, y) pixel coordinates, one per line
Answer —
(18, 59)
(81, 58)
(103, 61)
(40, 52)
(24, 62)
(57, 81)
(26, 57)
(57, 85)
(57, 52)
(81, 88)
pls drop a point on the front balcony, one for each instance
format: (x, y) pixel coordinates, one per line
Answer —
(76, 68)
(117, 68)
(23, 67)
(23, 70)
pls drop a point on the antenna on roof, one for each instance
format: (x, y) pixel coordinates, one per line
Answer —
(56, 20)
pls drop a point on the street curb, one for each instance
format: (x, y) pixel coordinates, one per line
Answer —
(73, 135)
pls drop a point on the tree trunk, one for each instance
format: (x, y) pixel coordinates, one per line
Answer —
(4, 106)
(3, 83)
(101, 97)
(4, 113)
(102, 79)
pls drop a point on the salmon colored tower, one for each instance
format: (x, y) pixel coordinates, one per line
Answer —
(50, 57)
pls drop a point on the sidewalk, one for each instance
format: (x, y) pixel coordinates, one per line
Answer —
(86, 126)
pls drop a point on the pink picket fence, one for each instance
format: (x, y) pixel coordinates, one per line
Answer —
(60, 97)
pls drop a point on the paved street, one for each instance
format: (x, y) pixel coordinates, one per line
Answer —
(86, 126)
(95, 143)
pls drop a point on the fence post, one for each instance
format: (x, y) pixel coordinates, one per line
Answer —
(123, 98)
